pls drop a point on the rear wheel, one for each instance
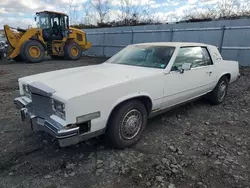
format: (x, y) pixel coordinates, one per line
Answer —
(127, 123)
(72, 51)
(219, 93)
(32, 51)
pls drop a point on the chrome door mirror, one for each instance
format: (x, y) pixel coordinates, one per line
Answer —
(185, 66)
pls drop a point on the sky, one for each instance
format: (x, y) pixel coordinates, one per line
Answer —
(20, 13)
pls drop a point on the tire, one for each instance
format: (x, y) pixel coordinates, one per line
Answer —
(219, 93)
(32, 51)
(116, 127)
(18, 58)
(72, 51)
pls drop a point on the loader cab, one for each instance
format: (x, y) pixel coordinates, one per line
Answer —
(54, 25)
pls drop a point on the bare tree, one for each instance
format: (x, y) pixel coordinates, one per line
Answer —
(223, 9)
(208, 13)
(227, 8)
(243, 8)
(102, 8)
(133, 12)
(71, 8)
(87, 12)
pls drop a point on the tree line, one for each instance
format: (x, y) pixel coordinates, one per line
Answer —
(99, 13)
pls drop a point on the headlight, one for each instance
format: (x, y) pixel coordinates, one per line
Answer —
(26, 91)
(58, 108)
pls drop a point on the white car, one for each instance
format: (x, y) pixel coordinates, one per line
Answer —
(118, 96)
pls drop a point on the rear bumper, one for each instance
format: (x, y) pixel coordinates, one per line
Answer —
(65, 137)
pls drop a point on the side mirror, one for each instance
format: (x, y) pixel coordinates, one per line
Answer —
(185, 66)
(35, 18)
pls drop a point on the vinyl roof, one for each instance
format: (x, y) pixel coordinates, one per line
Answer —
(178, 44)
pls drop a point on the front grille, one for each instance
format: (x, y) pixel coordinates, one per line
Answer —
(41, 105)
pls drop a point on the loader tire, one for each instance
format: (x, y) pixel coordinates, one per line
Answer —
(32, 51)
(72, 51)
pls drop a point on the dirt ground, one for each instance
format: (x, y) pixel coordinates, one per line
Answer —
(196, 145)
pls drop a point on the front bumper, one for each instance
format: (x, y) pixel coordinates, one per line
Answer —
(65, 136)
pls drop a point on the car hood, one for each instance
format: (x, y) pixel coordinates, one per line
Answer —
(68, 83)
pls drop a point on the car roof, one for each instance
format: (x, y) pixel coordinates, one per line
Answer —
(176, 44)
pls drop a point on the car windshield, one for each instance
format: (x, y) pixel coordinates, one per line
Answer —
(144, 56)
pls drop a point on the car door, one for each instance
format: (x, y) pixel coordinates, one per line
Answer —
(182, 86)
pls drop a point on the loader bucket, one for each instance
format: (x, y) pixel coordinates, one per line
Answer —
(16, 39)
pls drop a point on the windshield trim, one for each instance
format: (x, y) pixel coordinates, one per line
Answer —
(135, 65)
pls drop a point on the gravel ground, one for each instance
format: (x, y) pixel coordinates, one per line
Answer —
(196, 145)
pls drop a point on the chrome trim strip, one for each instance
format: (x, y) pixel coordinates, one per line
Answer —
(163, 110)
(189, 90)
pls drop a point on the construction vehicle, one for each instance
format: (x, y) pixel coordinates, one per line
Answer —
(53, 36)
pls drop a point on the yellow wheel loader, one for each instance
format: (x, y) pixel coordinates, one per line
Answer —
(53, 37)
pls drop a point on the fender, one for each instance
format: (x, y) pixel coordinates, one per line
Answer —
(39, 39)
(126, 98)
(130, 96)
(224, 73)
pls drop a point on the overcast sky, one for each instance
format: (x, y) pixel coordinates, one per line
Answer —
(20, 13)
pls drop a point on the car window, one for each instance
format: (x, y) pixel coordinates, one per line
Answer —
(206, 56)
(197, 56)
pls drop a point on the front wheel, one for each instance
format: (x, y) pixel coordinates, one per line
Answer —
(127, 123)
(72, 51)
(32, 51)
(219, 93)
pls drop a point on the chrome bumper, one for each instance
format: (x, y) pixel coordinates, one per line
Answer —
(65, 137)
